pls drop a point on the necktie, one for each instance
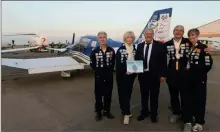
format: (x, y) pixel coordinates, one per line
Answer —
(146, 56)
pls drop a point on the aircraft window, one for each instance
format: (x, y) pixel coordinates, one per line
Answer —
(93, 43)
(84, 41)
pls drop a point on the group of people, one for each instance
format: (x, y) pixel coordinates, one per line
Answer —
(189, 61)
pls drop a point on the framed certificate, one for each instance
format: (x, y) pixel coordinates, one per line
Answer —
(135, 66)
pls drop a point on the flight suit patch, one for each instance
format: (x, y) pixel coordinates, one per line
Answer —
(196, 57)
(206, 57)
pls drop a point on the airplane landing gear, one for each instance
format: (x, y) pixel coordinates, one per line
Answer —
(65, 74)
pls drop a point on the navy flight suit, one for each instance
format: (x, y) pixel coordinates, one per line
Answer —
(124, 81)
(103, 65)
(176, 75)
(199, 64)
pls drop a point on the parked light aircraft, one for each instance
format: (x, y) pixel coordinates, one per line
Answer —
(159, 21)
(214, 45)
(37, 43)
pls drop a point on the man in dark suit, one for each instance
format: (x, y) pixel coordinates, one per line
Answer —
(153, 54)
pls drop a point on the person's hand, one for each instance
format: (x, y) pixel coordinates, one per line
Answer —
(128, 73)
(162, 79)
(208, 50)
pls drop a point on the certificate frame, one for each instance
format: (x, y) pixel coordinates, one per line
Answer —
(135, 66)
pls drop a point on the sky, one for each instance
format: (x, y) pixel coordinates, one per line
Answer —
(59, 19)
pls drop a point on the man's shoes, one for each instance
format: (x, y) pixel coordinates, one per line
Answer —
(142, 117)
(154, 119)
(108, 115)
(98, 117)
(187, 127)
(174, 118)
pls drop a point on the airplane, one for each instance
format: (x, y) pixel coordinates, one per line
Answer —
(79, 54)
(214, 45)
(36, 44)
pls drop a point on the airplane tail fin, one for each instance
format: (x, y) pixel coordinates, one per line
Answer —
(73, 39)
(160, 22)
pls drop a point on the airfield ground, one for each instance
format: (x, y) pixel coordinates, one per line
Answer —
(46, 102)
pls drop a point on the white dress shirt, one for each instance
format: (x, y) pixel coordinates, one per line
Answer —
(149, 54)
(177, 47)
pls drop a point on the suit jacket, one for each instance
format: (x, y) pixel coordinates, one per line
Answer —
(158, 58)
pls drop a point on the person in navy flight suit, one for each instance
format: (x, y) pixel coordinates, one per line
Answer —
(198, 65)
(153, 55)
(125, 79)
(177, 51)
(102, 61)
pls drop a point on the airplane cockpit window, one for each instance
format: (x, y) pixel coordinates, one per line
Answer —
(84, 42)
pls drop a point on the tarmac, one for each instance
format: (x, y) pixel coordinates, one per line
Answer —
(47, 102)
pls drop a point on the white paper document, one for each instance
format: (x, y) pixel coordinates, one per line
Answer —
(135, 66)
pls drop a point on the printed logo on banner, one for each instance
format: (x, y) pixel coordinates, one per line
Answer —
(164, 16)
(162, 32)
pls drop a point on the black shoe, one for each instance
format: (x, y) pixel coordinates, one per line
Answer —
(98, 117)
(142, 117)
(108, 115)
(154, 119)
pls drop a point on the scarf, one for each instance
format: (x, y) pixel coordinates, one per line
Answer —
(129, 50)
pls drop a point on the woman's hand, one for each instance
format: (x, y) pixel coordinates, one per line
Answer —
(208, 50)
(162, 79)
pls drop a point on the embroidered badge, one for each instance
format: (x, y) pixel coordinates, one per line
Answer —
(196, 57)
(111, 53)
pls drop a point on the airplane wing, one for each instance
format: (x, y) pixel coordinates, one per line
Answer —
(61, 50)
(19, 49)
(44, 65)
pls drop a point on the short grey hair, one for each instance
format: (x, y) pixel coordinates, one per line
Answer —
(193, 30)
(178, 26)
(102, 32)
(151, 29)
(127, 34)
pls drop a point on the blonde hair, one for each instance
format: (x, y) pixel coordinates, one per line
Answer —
(127, 34)
(102, 32)
(178, 26)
